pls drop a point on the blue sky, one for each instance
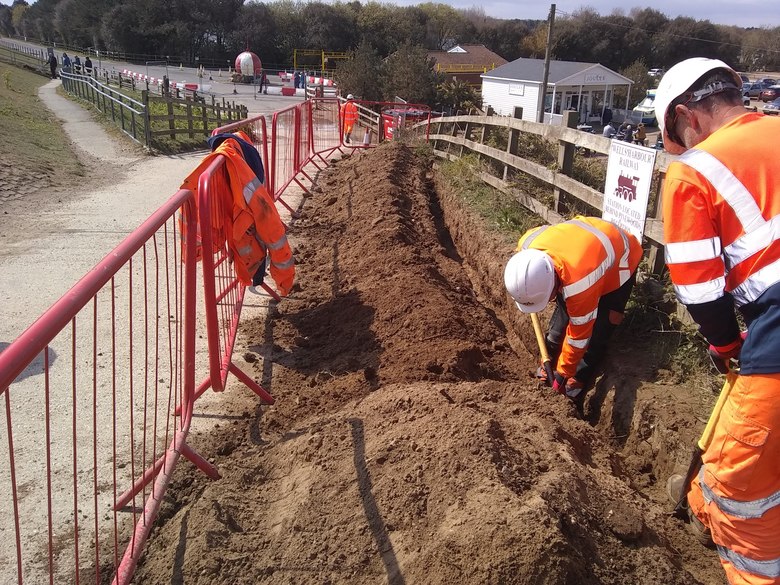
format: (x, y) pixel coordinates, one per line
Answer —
(745, 13)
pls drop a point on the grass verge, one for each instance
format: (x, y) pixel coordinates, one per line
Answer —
(33, 139)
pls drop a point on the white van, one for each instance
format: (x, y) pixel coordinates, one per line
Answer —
(644, 111)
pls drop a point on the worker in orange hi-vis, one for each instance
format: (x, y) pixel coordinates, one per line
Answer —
(588, 265)
(349, 115)
(721, 201)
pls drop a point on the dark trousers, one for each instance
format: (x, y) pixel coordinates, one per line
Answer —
(588, 368)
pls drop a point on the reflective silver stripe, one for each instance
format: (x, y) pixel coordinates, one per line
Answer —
(755, 285)
(769, 569)
(730, 188)
(284, 265)
(585, 318)
(245, 250)
(250, 188)
(692, 251)
(746, 510)
(578, 343)
(533, 235)
(624, 271)
(703, 292)
(278, 244)
(750, 243)
(589, 280)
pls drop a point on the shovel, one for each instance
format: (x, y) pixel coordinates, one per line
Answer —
(546, 363)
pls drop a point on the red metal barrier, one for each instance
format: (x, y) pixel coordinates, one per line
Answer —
(223, 294)
(96, 380)
(285, 163)
(326, 128)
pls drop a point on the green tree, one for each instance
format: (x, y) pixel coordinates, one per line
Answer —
(454, 95)
(361, 73)
(445, 25)
(330, 28)
(636, 72)
(409, 74)
(255, 29)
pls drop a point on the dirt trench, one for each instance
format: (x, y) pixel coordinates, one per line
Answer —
(409, 442)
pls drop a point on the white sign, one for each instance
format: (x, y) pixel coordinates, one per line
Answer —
(594, 77)
(516, 89)
(627, 188)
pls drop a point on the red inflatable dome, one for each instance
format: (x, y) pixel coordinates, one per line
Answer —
(249, 64)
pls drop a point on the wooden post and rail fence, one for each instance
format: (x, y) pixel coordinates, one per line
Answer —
(453, 137)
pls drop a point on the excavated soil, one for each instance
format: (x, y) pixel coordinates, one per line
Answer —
(409, 442)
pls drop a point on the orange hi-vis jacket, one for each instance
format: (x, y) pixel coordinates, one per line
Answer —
(722, 231)
(349, 115)
(246, 218)
(592, 258)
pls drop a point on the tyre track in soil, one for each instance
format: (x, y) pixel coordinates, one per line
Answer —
(408, 443)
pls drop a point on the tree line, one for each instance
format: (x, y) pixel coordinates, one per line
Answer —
(212, 32)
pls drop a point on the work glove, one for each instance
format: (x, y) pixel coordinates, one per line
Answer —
(723, 355)
(570, 387)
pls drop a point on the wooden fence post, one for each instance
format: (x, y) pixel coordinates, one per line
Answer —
(513, 139)
(565, 155)
(147, 125)
(655, 256)
(189, 118)
(205, 111)
(171, 122)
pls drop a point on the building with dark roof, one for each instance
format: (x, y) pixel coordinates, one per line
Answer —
(585, 87)
(466, 62)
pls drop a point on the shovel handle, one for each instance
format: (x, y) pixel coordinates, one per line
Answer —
(546, 363)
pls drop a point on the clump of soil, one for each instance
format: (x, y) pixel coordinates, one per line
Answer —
(408, 442)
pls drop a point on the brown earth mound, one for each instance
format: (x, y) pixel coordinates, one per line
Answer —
(408, 443)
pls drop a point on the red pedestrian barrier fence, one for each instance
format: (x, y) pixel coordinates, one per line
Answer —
(92, 390)
(89, 393)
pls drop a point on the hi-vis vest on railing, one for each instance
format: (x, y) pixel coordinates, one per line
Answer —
(248, 221)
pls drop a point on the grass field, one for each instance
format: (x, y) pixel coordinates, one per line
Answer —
(33, 139)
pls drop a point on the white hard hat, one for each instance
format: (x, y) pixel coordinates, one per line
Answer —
(676, 82)
(350, 96)
(529, 277)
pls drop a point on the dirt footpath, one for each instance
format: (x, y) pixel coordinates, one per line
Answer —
(408, 443)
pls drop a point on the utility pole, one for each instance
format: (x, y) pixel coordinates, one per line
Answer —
(543, 88)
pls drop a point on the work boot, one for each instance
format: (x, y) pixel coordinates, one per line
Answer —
(674, 489)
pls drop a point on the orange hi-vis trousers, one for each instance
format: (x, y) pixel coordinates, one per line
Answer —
(737, 492)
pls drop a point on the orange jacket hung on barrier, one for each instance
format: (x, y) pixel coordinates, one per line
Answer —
(245, 218)
(592, 257)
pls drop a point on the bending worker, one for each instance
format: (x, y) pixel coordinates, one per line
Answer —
(588, 266)
(722, 228)
(349, 115)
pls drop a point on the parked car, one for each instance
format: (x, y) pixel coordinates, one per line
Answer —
(745, 79)
(644, 111)
(746, 100)
(767, 81)
(757, 87)
(769, 93)
(656, 73)
(773, 107)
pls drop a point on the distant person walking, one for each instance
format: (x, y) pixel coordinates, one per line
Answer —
(88, 66)
(53, 65)
(77, 64)
(65, 63)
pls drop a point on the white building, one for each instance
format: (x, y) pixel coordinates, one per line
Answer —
(585, 87)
